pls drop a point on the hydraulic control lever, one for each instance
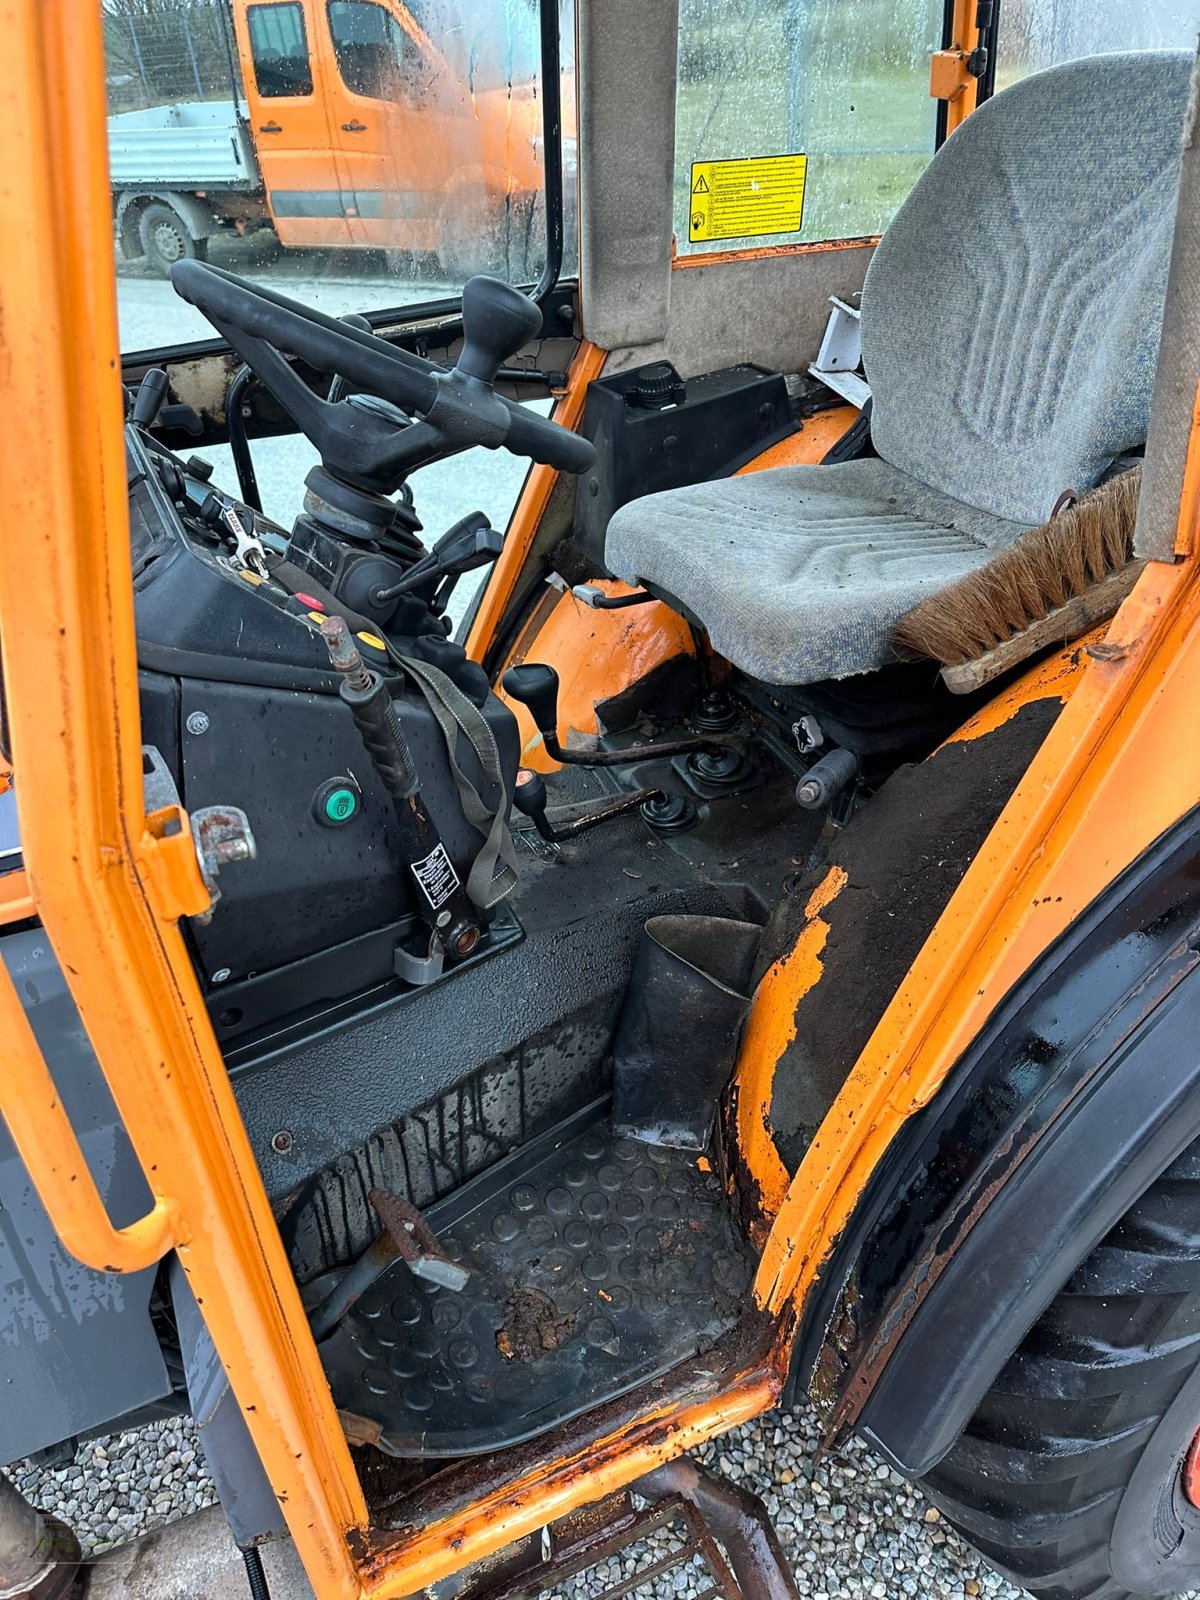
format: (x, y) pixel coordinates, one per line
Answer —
(529, 797)
(472, 542)
(150, 398)
(536, 687)
(442, 900)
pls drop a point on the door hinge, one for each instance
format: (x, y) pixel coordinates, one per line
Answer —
(949, 73)
(171, 868)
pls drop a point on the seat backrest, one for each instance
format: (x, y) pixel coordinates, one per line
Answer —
(1011, 314)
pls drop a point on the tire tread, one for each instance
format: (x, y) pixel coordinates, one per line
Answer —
(1036, 1479)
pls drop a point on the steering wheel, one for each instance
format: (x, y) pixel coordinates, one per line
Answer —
(370, 446)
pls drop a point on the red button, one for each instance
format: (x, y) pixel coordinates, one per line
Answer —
(308, 600)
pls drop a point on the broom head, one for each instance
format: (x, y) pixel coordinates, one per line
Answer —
(1072, 572)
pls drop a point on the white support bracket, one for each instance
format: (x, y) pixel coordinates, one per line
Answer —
(840, 354)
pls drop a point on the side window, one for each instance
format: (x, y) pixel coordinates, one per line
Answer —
(1033, 36)
(279, 50)
(374, 55)
(800, 120)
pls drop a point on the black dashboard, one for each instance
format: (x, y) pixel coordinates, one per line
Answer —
(240, 701)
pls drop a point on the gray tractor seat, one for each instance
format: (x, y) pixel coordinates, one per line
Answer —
(1010, 326)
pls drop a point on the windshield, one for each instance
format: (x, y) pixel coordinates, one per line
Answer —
(355, 154)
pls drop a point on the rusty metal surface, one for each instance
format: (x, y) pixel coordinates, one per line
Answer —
(743, 1357)
(415, 1241)
(596, 1263)
(731, 1514)
(613, 1527)
(1011, 1112)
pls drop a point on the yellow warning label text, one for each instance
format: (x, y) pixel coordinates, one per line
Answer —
(746, 199)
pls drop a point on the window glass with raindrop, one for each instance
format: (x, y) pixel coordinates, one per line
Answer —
(354, 155)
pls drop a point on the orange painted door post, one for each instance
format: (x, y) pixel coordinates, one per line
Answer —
(285, 73)
(109, 887)
(950, 77)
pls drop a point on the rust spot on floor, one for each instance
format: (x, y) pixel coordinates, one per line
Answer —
(533, 1326)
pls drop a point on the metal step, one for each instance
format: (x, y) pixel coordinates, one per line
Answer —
(595, 1263)
(680, 1519)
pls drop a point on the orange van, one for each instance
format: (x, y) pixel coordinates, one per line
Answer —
(355, 127)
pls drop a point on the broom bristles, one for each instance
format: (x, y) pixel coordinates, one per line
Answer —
(1081, 547)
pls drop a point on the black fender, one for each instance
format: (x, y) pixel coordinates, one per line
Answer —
(1079, 1092)
(79, 1353)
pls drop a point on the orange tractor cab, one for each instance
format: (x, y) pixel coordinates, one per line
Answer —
(491, 1003)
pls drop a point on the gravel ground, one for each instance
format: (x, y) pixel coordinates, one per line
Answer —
(852, 1528)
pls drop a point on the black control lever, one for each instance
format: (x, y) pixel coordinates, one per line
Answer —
(337, 385)
(472, 542)
(536, 687)
(529, 797)
(498, 320)
(151, 394)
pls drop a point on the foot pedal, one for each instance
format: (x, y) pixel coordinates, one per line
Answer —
(695, 1531)
(594, 1262)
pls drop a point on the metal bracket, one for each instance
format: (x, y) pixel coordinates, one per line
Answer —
(181, 855)
(841, 352)
(419, 970)
(415, 1242)
(949, 74)
(716, 1532)
(170, 867)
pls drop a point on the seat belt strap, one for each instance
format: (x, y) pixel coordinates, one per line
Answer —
(493, 873)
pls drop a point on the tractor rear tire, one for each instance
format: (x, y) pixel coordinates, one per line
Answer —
(1069, 1478)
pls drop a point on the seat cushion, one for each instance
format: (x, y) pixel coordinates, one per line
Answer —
(1010, 322)
(799, 573)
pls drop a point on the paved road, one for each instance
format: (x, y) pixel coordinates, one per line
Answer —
(152, 314)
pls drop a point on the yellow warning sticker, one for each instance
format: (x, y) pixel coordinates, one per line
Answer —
(747, 199)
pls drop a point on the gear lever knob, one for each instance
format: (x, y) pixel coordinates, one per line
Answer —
(536, 687)
(497, 321)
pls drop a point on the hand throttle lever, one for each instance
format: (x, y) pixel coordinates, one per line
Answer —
(536, 688)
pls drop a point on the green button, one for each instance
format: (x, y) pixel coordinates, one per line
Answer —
(340, 805)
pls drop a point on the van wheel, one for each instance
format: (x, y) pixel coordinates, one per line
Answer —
(165, 239)
(1069, 1478)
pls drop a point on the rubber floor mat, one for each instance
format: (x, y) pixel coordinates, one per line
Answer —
(595, 1263)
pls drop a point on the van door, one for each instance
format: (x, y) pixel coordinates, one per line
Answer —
(288, 98)
(392, 102)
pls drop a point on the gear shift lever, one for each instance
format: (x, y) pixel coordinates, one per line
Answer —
(497, 321)
(536, 688)
(529, 797)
